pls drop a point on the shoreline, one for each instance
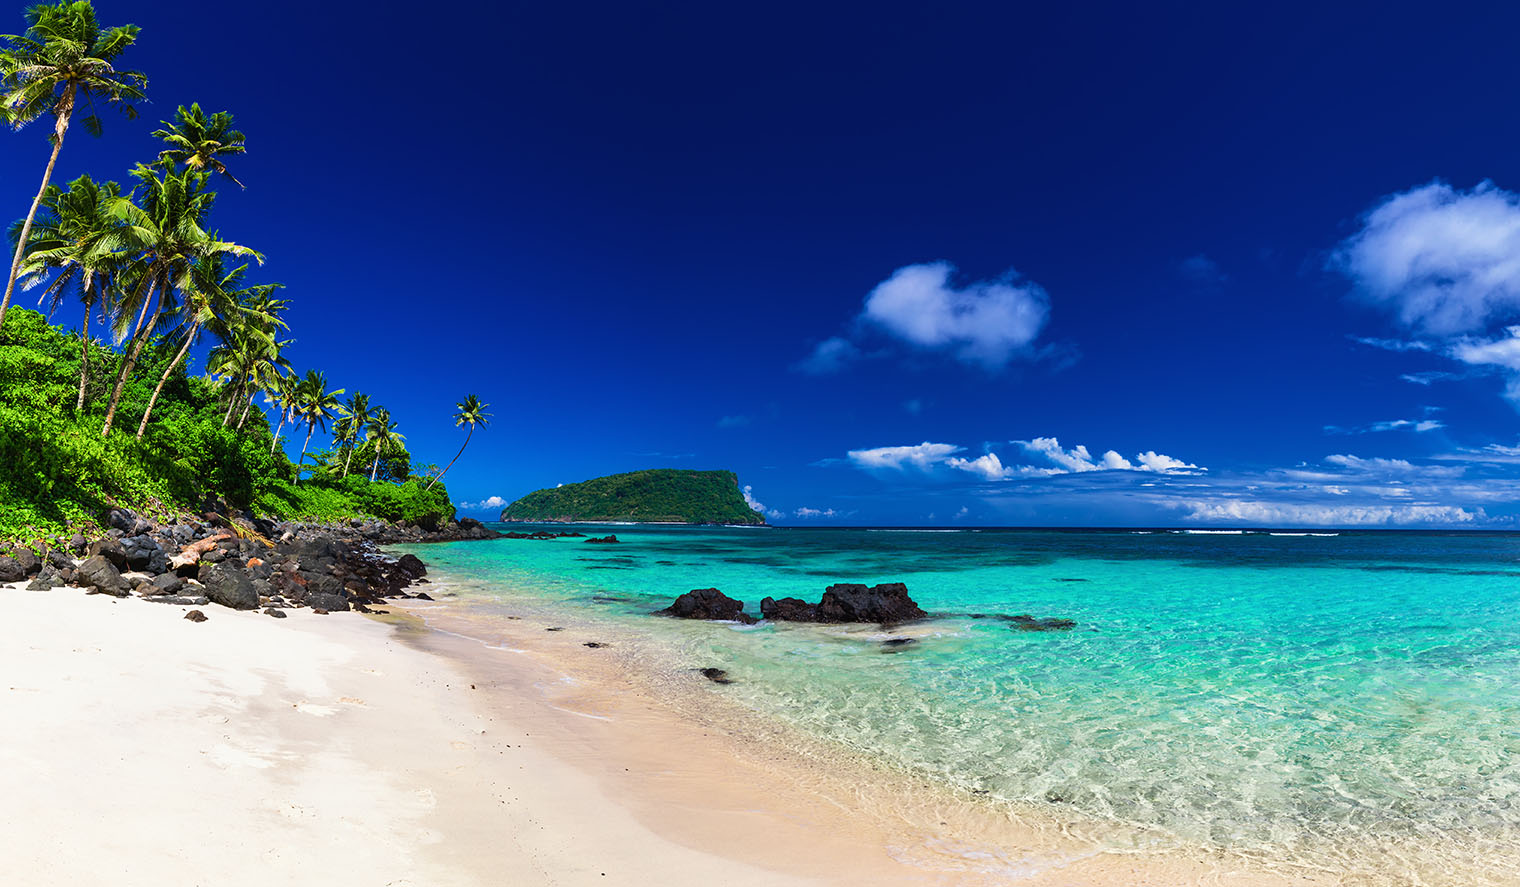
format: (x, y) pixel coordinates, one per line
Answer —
(133, 729)
(685, 760)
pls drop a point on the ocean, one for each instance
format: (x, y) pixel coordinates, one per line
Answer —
(1349, 701)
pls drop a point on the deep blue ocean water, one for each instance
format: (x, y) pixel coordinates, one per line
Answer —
(1323, 695)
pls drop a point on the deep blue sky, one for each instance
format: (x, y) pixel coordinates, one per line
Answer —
(628, 230)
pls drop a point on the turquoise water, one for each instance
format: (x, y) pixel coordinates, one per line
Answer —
(1336, 698)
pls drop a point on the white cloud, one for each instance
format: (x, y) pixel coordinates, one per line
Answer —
(1280, 514)
(1445, 261)
(1418, 426)
(484, 504)
(987, 465)
(805, 512)
(924, 456)
(755, 504)
(1392, 344)
(1078, 459)
(1503, 352)
(985, 322)
(990, 466)
(1380, 466)
(830, 356)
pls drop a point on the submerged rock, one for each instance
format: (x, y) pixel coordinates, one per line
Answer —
(602, 540)
(709, 604)
(892, 645)
(717, 675)
(1025, 622)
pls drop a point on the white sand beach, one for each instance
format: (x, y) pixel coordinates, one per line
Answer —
(139, 748)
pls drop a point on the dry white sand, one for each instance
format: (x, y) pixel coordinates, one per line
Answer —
(140, 748)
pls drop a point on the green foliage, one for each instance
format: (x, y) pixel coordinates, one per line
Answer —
(661, 494)
(56, 471)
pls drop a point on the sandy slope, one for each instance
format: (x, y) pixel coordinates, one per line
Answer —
(139, 748)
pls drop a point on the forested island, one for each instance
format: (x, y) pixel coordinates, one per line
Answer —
(658, 495)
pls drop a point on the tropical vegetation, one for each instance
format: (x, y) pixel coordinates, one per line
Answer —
(665, 495)
(149, 277)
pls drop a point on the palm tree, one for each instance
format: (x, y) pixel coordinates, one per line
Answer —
(167, 235)
(282, 393)
(381, 432)
(471, 412)
(355, 417)
(315, 405)
(215, 299)
(199, 142)
(64, 58)
(76, 236)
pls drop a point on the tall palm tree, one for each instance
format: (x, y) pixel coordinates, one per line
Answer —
(76, 236)
(281, 393)
(347, 429)
(314, 406)
(199, 142)
(64, 58)
(215, 298)
(381, 432)
(471, 412)
(167, 234)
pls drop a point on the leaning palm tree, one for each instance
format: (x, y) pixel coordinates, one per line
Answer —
(381, 433)
(281, 394)
(76, 237)
(199, 142)
(471, 412)
(214, 298)
(63, 60)
(347, 429)
(314, 406)
(167, 235)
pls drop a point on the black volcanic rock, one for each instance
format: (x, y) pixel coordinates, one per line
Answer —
(710, 604)
(788, 609)
(886, 604)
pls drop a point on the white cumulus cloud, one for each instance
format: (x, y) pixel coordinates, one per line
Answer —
(484, 504)
(805, 512)
(925, 455)
(987, 323)
(1443, 260)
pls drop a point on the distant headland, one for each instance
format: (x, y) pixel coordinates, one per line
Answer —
(659, 495)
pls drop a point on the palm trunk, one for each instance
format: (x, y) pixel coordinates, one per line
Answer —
(84, 357)
(453, 460)
(246, 409)
(375, 468)
(189, 337)
(232, 398)
(309, 429)
(347, 459)
(126, 368)
(275, 444)
(65, 111)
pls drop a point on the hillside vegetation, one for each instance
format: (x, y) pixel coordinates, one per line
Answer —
(655, 495)
(57, 471)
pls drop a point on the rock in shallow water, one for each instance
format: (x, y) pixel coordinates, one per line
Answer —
(709, 604)
(716, 675)
(887, 604)
(1024, 622)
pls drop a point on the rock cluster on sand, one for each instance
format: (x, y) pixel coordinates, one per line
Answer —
(207, 558)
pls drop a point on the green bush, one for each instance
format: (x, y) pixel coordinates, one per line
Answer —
(56, 472)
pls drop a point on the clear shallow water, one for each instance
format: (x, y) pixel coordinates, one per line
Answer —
(1350, 700)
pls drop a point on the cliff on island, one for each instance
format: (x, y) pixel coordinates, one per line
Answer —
(660, 495)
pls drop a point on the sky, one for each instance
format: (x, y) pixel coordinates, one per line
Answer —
(983, 264)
